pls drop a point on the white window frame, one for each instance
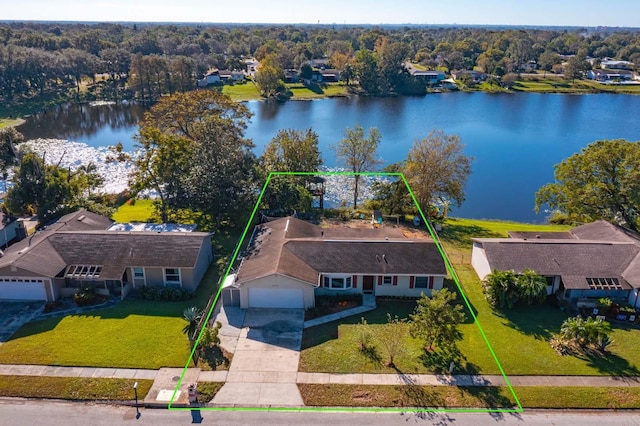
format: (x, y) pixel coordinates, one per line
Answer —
(328, 281)
(167, 282)
(144, 274)
(384, 280)
(426, 282)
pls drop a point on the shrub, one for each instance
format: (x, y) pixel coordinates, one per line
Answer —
(165, 294)
(87, 296)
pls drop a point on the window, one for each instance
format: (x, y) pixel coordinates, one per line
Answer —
(138, 273)
(387, 280)
(172, 275)
(421, 282)
(337, 282)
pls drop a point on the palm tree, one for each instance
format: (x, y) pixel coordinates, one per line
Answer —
(500, 288)
(532, 287)
(192, 315)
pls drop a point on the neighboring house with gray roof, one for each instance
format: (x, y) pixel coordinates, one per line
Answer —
(78, 251)
(590, 261)
(290, 261)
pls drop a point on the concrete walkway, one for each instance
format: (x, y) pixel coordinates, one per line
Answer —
(321, 378)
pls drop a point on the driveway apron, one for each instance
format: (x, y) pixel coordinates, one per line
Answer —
(265, 363)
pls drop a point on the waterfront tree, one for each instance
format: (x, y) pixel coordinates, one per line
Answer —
(437, 170)
(600, 182)
(358, 152)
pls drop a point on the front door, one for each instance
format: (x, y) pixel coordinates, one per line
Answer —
(367, 284)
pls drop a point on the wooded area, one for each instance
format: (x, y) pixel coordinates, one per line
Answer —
(144, 61)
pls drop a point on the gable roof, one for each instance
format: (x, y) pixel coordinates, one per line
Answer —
(81, 239)
(594, 250)
(301, 250)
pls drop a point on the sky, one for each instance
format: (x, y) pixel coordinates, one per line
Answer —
(618, 13)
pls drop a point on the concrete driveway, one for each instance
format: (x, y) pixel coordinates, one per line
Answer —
(265, 363)
(14, 315)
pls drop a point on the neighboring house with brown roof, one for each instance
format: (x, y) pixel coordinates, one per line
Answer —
(289, 261)
(77, 251)
(590, 261)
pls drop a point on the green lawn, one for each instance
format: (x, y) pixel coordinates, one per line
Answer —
(334, 347)
(7, 122)
(558, 85)
(519, 336)
(73, 388)
(477, 397)
(337, 395)
(242, 92)
(140, 211)
(133, 334)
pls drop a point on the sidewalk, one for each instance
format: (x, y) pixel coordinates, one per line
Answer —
(329, 378)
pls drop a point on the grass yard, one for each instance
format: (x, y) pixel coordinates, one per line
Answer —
(242, 92)
(8, 122)
(558, 85)
(300, 91)
(335, 347)
(207, 390)
(132, 334)
(519, 336)
(72, 388)
(140, 211)
(337, 395)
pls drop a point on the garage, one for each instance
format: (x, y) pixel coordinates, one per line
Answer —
(22, 290)
(289, 298)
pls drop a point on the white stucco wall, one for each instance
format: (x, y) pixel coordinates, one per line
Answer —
(479, 261)
(403, 290)
(276, 281)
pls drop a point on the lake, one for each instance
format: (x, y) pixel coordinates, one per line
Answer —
(515, 139)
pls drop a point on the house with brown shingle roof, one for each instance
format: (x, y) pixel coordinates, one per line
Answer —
(78, 251)
(290, 261)
(590, 261)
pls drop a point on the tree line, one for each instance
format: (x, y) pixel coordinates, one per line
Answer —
(146, 61)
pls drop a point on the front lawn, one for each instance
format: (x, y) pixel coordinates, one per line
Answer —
(133, 334)
(335, 347)
(242, 91)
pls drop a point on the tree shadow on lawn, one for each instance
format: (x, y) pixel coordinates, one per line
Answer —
(608, 363)
(539, 321)
(438, 361)
(461, 235)
(320, 334)
(451, 286)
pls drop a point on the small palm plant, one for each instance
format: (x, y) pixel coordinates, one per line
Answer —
(192, 315)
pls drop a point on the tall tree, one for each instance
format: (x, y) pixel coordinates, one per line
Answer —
(195, 155)
(269, 77)
(9, 138)
(600, 182)
(437, 169)
(365, 68)
(291, 151)
(359, 153)
(436, 319)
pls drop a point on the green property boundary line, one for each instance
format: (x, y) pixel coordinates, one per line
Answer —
(450, 269)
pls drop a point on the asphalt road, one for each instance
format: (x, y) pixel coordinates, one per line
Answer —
(21, 412)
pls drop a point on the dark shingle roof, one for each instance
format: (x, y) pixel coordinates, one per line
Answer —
(301, 250)
(587, 259)
(81, 238)
(541, 235)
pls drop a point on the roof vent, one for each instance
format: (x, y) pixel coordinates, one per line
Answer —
(81, 218)
(378, 258)
(384, 256)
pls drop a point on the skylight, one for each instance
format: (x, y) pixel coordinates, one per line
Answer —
(83, 271)
(604, 283)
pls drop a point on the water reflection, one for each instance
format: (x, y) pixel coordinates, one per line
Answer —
(95, 125)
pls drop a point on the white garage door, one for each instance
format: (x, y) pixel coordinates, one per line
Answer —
(290, 298)
(14, 290)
